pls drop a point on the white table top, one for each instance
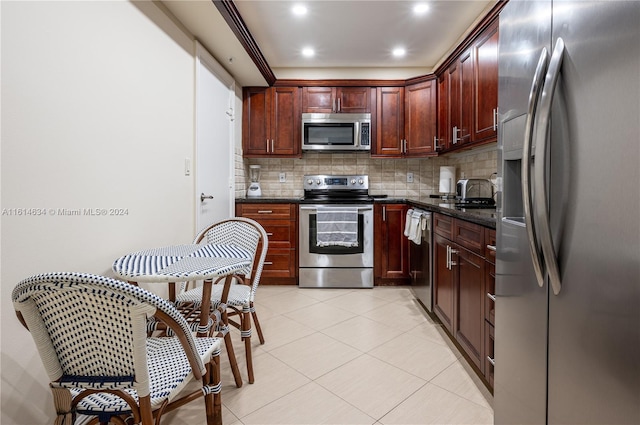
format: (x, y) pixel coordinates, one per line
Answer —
(181, 263)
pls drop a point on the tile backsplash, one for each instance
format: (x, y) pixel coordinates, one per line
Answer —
(386, 175)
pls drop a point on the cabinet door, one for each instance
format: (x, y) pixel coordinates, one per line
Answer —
(393, 245)
(466, 98)
(469, 323)
(256, 114)
(486, 85)
(443, 290)
(285, 121)
(318, 100)
(353, 100)
(390, 121)
(443, 112)
(420, 118)
(453, 132)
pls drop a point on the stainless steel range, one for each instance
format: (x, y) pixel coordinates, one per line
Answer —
(336, 232)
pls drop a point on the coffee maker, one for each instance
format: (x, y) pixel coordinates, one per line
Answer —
(254, 190)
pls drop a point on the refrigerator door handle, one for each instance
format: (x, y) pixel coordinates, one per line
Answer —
(541, 196)
(527, 198)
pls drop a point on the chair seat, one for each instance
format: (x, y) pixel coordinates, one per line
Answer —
(168, 368)
(239, 295)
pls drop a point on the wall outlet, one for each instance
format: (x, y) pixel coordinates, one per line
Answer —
(409, 177)
(282, 177)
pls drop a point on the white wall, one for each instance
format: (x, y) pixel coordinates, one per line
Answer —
(97, 112)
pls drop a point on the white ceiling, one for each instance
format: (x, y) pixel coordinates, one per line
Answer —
(351, 38)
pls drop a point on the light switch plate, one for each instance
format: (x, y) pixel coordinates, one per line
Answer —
(409, 177)
(282, 177)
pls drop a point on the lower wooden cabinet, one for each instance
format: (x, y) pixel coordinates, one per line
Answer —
(391, 246)
(462, 278)
(443, 281)
(280, 221)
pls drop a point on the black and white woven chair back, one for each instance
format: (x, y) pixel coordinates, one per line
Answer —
(242, 232)
(91, 331)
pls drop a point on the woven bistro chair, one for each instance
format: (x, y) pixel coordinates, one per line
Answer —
(91, 334)
(250, 235)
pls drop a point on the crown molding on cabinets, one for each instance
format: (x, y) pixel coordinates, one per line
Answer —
(231, 15)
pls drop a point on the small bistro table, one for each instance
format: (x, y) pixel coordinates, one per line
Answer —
(187, 263)
(184, 263)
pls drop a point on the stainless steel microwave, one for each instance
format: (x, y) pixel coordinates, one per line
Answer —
(336, 132)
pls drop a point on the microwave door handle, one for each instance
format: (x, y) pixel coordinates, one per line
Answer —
(542, 139)
(534, 95)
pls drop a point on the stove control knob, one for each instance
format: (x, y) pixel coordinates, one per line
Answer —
(309, 182)
(353, 181)
(318, 181)
(360, 181)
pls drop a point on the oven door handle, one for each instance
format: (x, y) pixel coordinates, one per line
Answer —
(367, 208)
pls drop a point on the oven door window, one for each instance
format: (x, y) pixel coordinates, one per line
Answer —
(338, 134)
(334, 250)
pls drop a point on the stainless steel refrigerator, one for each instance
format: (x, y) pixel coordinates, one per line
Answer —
(567, 338)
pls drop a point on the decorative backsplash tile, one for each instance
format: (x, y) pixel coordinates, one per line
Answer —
(387, 176)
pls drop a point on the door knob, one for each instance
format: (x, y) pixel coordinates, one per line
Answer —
(203, 197)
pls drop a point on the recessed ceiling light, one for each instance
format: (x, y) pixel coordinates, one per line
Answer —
(299, 10)
(399, 52)
(308, 52)
(420, 8)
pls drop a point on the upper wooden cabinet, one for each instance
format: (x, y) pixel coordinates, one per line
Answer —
(485, 53)
(468, 94)
(336, 99)
(405, 120)
(389, 122)
(271, 122)
(420, 119)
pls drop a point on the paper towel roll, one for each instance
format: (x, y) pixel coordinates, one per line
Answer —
(447, 179)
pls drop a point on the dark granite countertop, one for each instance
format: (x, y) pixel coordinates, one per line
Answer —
(482, 216)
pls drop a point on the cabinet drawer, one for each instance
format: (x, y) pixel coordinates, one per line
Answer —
(490, 244)
(443, 225)
(469, 235)
(279, 263)
(260, 212)
(279, 233)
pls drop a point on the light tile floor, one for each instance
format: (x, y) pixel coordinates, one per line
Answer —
(348, 356)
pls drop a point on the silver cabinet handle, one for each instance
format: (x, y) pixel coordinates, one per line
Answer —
(272, 147)
(491, 248)
(333, 106)
(448, 257)
(339, 106)
(203, 197)
(267, 146)
(435, 143)
(269, 234)
(492, 297)
(456, 139)
(491, 360)
(527, 198)
(268, 263)
(265, 211)
(384, 213)
(542, 125)
(451, 262)
(495, 119)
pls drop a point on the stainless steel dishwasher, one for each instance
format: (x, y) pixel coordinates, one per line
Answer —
(421, 267)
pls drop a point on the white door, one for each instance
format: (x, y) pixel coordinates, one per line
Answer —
(214, 157)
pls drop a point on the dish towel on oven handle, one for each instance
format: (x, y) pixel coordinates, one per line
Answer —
(337, 226)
